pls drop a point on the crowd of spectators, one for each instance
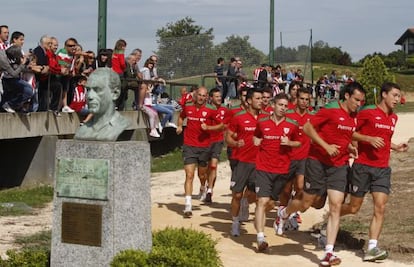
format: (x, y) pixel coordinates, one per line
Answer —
(275, 79)
(49, 78)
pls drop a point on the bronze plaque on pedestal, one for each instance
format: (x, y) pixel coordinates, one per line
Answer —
(82, 178)
(81, 224)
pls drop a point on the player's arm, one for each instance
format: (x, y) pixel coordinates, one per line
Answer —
(310, 131)
(180, 122)
(217, 127)
(375, 141)
(292, 143)
(400, 147)
(230, 138)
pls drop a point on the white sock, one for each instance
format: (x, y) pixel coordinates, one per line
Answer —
(260, 236)
(188, 200)
(283, 212)
(372, 243)
(236, 219)
(329, 248)
(209, 190)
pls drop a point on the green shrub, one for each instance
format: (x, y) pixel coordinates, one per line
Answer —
(130, 258)
(173, 247)
(27, 258)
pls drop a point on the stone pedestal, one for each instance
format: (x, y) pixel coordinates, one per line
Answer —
(118, 206)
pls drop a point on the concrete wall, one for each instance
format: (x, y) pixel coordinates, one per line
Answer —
(28, 144)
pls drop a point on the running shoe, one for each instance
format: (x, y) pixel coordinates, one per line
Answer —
(280, 221)
(208, 199)
(330, 260)
(262, 245)
(375, 254)
(235, 229)
(187, 211)
(202, 195)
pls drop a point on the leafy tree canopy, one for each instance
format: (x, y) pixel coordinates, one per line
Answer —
(373, 74)
(240, 46)
(184, 48)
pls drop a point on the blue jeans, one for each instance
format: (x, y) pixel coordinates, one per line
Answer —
(16, 92)
(167, 110)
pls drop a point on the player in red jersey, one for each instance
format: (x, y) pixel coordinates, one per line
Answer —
(216, 140)
(232, 151)
(275, 135)
(267, 97)
(331, 130)
(370, 170)
(294, 186)
(196, 141)
(240, 135)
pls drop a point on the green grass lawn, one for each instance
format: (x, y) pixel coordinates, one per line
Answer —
(174, 161)
(18, 201)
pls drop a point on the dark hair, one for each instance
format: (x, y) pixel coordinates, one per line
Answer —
(350, 88)
(148, 61)
(280, 96)
(3, 26)
(251, 91)
(14, 54)
(104, 52)
(16, 35)
(81, 78)
(119, 44)
(268, 90)
(220, 59)
(214, 90)
(387, 87)
(294, 83)
(71, 39)
(302, 90)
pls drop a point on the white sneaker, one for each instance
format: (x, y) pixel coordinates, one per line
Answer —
(7, 108)
(280, 221)
(154, 133)
(188, 211)
(202, 195)
(67, 109)
(244, 210)
(171, 124)
(235, 229)
(160, 127)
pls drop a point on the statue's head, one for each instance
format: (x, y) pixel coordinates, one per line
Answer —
(104, 87)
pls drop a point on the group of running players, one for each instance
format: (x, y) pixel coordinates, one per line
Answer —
(284, 154)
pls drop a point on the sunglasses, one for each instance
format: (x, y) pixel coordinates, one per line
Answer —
(72, 45)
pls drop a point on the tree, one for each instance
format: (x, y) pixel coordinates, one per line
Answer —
(240, 46)
(323, 53)
(373, 75)
(185, 49)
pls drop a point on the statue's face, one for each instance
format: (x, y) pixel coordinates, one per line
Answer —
(99, 95)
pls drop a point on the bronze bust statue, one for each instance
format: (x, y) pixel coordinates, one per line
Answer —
(104, 87)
